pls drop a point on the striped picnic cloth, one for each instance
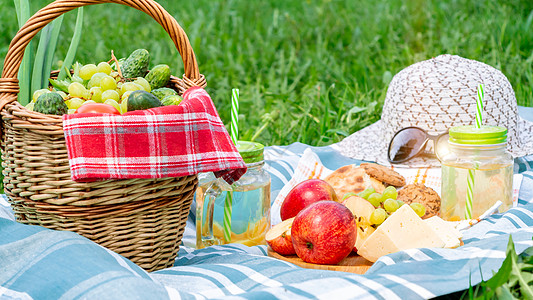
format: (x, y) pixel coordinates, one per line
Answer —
(168, 141)
(37, 263)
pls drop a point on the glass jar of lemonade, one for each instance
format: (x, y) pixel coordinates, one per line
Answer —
(249, 198)
(477, 170)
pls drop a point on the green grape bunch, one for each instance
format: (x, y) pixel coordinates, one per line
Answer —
(104, 83)
(386, 203)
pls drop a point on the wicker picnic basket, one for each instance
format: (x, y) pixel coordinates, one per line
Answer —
(141, 219)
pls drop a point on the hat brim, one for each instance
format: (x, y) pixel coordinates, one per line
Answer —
(368, 144)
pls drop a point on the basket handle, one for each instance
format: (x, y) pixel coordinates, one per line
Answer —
(9, 83)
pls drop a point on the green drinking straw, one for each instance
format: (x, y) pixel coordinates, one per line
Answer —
(469, 194)
(470, 180)
(479, 105)
(234, 133)
(234, 129)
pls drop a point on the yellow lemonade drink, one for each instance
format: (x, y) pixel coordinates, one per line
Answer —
(477, 172)
(249, 221)
(492, 183)
(250, 204)
(254, 235)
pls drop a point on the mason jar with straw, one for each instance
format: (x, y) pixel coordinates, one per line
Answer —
(239, 213)
(477, 173)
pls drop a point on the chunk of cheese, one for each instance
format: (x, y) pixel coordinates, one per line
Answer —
(362, 234)
(402, 230)
(446, 230)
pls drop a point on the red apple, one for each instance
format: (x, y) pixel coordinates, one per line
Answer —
(305, 193)
(324, 233)
(279, 238)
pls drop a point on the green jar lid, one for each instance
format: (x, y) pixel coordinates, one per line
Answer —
(471, 135)
(250, 152)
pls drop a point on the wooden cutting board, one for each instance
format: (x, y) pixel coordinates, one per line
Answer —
(353, 263)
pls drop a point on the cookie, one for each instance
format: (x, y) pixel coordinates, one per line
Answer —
(422, 194)
(352, 179)
(384, 174)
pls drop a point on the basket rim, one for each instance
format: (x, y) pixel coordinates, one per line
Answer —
(9, 83)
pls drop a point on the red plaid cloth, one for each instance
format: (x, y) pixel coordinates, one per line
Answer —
(169, 141)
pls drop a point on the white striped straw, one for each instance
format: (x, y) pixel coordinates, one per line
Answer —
(462, 225)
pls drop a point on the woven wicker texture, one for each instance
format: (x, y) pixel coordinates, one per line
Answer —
(141, 219)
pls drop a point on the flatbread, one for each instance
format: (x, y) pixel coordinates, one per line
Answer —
(352, 179)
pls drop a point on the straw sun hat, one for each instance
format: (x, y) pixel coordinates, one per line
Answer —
(435, 95)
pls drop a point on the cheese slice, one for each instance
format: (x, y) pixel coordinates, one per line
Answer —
(363, 233)
(402, 230)
(446, 230)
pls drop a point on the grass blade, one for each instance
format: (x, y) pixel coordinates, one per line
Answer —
(24, 75)
(22, 8)
(504, 273)
(54, 37)
(503, 293)
(38, 63)
(525, 289)
(69, 58)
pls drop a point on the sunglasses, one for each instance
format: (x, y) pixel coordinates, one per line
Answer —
(410, 142)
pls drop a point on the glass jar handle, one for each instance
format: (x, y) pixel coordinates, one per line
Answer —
(211, 193)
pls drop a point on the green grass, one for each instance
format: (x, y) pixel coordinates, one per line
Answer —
(320, 69)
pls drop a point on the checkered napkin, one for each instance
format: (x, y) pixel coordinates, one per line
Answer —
(169, 141)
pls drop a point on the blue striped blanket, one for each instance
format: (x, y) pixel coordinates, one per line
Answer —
(37, 263)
